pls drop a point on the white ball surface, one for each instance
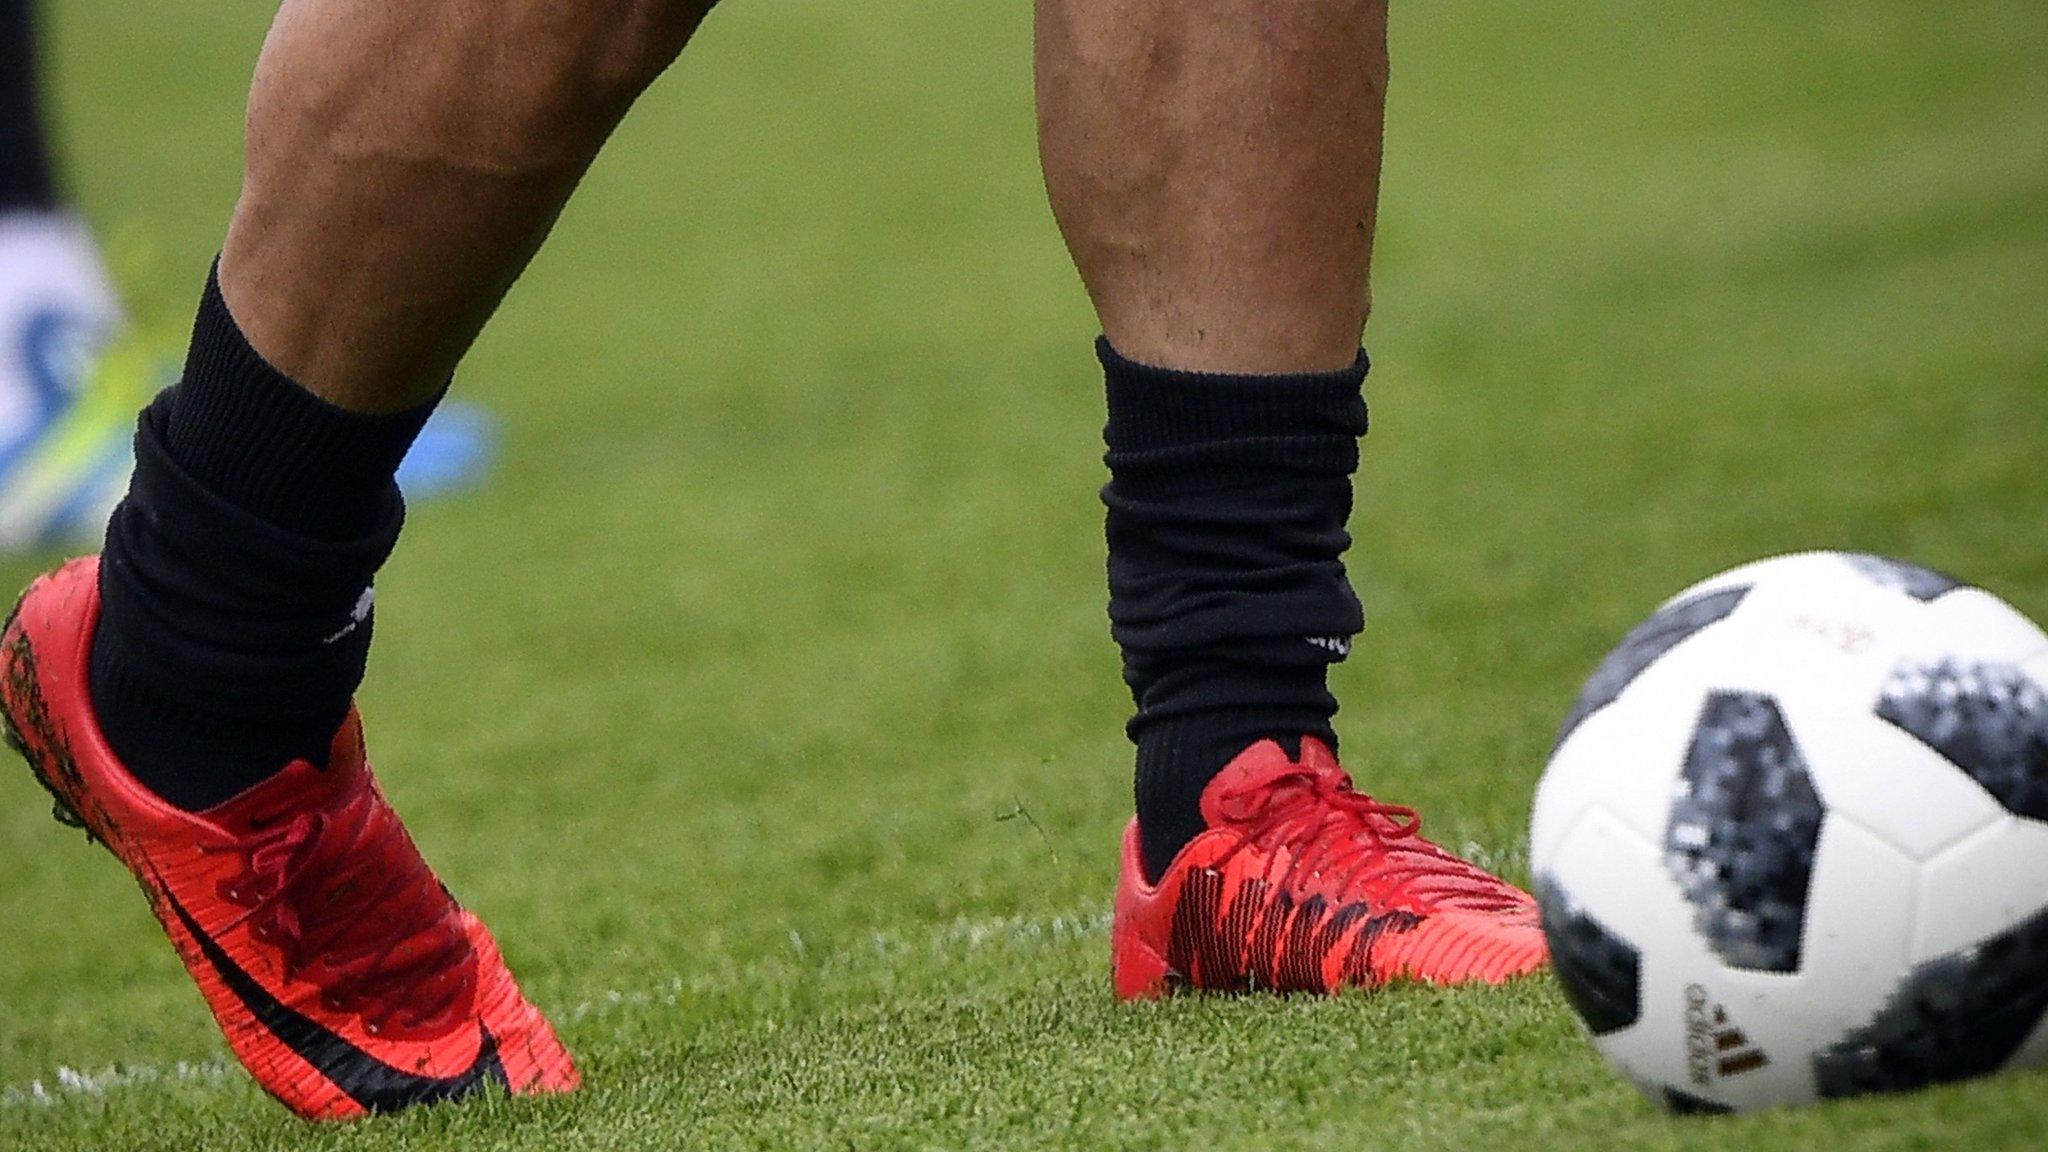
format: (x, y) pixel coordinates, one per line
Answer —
(1793, 840)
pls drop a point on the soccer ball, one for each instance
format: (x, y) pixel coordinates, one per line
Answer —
(1792, 843)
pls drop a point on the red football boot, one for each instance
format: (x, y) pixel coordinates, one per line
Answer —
(346, 977)
(1302, 884)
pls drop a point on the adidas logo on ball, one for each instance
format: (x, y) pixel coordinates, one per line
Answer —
(1816, 786)
(1714, 1046)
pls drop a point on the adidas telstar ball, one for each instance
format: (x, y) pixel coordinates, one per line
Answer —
(1792, 843)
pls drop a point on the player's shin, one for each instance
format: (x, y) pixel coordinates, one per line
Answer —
(404, 162)
(1214, 169)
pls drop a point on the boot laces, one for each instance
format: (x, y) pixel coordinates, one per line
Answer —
(347, 902)
(1333, 830)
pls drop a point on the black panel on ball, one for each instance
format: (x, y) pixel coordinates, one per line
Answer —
(1955, 1017)
(1744, 828)
(1686, 1104)
(1901, 576)
(1644, 646)
(1601, 973)
(1990, 720)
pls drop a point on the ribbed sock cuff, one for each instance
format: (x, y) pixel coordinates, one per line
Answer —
(1152, 408)
(254, 438)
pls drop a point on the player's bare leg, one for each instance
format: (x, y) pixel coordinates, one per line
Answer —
(1214, 165)
(405, 161)
(187, 696)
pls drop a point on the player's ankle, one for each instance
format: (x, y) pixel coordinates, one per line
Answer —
(1178, 757)
(235, 619)
(1227, 502)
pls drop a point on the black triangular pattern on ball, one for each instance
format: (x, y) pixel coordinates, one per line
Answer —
(1642, 647)
(1744, 827)
(1955, 1017)
(1990, 720)
(1921, 583)
(1687, 1104)
(1601, 973)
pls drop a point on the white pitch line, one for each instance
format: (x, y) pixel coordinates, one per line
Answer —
(68, 1084)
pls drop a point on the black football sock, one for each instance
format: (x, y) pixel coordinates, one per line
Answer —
(1227, 504)
(235, 585)
(26, 176)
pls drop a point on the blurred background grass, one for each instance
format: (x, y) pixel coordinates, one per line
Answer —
(789, 585)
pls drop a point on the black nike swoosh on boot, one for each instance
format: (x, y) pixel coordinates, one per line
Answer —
(365, 1079)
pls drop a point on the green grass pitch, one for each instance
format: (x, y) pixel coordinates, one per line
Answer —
(724, 700)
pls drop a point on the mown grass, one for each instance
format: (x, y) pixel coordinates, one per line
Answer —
(788, 590)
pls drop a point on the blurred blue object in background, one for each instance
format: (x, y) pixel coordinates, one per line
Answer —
(454, 451)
